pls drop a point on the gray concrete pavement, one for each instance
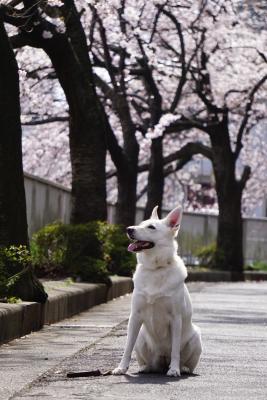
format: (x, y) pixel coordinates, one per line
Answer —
(233, 320)
(25, 359)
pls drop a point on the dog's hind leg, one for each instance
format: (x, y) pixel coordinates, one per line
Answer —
(191, 354)
(143, 353)
(143, 367)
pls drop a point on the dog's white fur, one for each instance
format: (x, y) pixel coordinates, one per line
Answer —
(160, 324)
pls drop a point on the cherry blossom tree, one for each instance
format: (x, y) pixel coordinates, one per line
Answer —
(65, 44)
(226, 113)
(134, 64)
(222, 108)
(13, 220)
(221, 111)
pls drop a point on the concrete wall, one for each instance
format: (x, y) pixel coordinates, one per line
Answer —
(48, 202)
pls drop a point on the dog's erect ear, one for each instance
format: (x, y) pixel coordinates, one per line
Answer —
(154, 214)
(174, 218)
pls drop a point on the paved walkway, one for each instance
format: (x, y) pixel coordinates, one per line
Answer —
(233, 320)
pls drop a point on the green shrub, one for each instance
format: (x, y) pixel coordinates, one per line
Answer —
(115, 243)
(206, 255)
(15, 258)
(257, 266)
(82, 241)
(48, 247)
(90, 269)
(86, 251)
(60, 250)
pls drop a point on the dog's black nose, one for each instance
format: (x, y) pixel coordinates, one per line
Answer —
(130, 231)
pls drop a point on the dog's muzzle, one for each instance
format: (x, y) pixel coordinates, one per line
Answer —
(137, 245)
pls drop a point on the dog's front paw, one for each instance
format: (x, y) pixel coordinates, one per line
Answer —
(174, 372)
(119, 371)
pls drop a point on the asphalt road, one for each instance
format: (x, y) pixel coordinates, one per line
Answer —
(233, 320)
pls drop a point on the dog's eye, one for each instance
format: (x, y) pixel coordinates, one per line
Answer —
(151, 227)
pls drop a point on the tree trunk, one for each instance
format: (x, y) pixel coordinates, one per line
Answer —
(125, 159)
(87, 128)
(13, 219)
(229, 255)
(127, 185)
(230, 233)
(87, 137)
(69, 56)
(155, 186)
(126, 162)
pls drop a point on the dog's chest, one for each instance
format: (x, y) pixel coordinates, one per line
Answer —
(153, 285)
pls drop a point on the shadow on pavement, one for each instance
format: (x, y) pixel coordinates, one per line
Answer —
(158, 379)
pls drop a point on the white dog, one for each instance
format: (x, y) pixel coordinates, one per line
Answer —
(160, 325)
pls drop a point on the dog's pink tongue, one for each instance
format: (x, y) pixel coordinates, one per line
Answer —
(132, 247)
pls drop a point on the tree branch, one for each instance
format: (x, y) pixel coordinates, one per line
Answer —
(155, 99)
(231, 91)
(203, 82)
(17, 18)
(184, 153)
(184, 123)
(244, 177)
(184, 70)
(180, 164)
(45, 121)
(114, 148)
(247, 115)
(105, 88)
(160, 7)
(108, 60)
(14, 3)
(20, 40)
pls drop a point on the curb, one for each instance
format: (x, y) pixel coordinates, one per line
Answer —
(63, 301)
(208, 276)
(255, 275)
(224, 276)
